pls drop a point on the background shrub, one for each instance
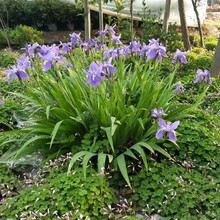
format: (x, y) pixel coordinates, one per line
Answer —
(24, 34)
(40, 13)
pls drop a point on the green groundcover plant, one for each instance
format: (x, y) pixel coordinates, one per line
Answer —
(117, 88)
(55, 195)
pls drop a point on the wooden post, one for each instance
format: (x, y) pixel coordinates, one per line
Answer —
(195, 4)
(131, 12)
(166, 15)
(215, 68)
(184, 25)
(87, 20)
(101, 19)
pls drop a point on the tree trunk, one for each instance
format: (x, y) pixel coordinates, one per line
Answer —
(131, 11)
(167, 15)
(195, 4)
(101, 19)
(87, 20)
(215, 68)
(184, 25)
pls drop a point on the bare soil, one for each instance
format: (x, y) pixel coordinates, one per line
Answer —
(211, 26)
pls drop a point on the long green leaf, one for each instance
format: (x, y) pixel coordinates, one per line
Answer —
(48, 111)
(142, 153)
(75, 158)
(159, 149)
(130, 154)
(54, 132)
(29, 142)
(146, 145)
(122, 166)
(86, 159)
(109, 136)
(101, 161)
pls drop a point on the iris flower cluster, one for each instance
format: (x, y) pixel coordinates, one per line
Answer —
(203, 76)
(99, 71)
(164, 127)
(18, 72)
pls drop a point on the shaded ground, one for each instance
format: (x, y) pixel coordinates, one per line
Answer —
(211, 26)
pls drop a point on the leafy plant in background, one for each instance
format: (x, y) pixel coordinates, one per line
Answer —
(211, 42)
(24, 34)
(152, 28)
(21, 35)
(7, 58)
(39, 13)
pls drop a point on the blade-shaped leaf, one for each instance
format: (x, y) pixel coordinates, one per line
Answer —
(113, 125)
(109, 136)
(86, 159)
(75, 158)
(54, 132)
(159, 149)
(48, 111)
(122, 166)
(29, 142)
(110, 158)
(101, 161)
(130, 154)
(142, 153)
(146, 145)
(141, 122)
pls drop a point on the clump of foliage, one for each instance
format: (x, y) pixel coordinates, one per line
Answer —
(24, 34)
(173, 191)
(7, 58)
(152, 28)
(105, 122)
(21, 35)
(54, 194)
(211, 42)
(40, 13)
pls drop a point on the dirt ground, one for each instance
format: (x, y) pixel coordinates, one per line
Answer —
(210, 26)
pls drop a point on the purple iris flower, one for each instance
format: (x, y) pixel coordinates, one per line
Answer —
(23, 62)
(104, 32)
(66, 47)
(31, 49)
(155, 114)
(17, 73)
(84, 46)
(167, 128)
(126, 50)
(94, 75)
(1, 102)
(51, 57)
(203, 76)
(91, 42)
(180, 55)
(107, 68)
(179, 87)
(112, 52)
(135, 46)
(111, 29)
(154, 49)
(116, 39)
(75, 38)
(153, 41)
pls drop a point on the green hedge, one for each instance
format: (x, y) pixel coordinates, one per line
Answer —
(39, 13)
